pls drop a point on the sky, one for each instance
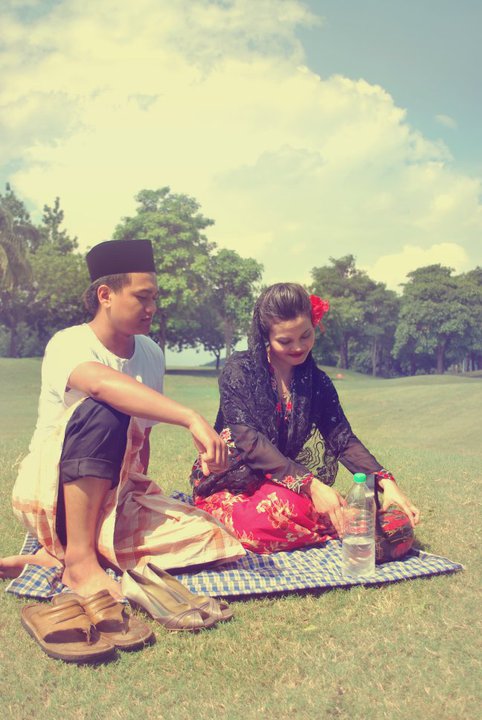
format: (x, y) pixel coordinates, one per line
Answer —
(305, 129)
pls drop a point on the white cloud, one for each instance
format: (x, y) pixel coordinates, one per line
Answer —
(213, 98)
(446, 121)
(392, 269)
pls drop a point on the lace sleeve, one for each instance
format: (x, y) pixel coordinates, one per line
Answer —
(262, 456)
(337, 433)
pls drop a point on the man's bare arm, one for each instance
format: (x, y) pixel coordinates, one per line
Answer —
(133, 398)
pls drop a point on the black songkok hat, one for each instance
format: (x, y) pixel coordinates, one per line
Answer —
(120, 256)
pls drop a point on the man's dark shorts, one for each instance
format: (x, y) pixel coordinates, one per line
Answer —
(94, 446)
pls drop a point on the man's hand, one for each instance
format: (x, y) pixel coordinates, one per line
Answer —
(213, 452)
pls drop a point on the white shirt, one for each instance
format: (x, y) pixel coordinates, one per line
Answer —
(78, 344)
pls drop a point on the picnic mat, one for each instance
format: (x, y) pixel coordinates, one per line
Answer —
(309, 568)
(305, 569)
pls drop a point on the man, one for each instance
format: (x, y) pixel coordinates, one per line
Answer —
(82, 490)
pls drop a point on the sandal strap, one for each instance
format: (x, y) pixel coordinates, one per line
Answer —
(101, 607)
(176, 621)
(68, 615)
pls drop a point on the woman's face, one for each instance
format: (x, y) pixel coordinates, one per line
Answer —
(290, 341)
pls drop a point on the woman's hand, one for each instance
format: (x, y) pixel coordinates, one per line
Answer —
(213, 452)
(392, 494)
(328, 501)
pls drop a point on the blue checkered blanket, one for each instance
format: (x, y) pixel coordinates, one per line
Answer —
(310, 568)
(305, 569)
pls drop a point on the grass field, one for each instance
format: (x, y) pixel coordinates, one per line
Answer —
(406, 650)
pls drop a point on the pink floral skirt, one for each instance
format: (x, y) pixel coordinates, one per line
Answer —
(275, 518)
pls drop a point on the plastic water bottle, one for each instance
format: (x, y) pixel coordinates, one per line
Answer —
(358, 544)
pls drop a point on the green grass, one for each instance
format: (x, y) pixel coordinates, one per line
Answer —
(406, 650)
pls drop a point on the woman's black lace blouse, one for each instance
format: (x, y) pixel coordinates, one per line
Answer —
(287, 448)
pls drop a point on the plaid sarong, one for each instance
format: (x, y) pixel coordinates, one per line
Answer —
(139, 521)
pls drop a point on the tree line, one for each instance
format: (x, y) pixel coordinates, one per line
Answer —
(207, 294)
(434, 324)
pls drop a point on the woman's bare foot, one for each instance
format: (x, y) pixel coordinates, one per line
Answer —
(87, 577)
(12, 566)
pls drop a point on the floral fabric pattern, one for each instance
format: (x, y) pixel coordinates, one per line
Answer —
(273, 518)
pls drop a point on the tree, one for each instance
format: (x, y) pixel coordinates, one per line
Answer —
(60, 277)
(466, 353)
(59, 280)
(16, 235)
(437, 311)
(51, 233)
(347, 289)
(380, 321)
(227, 300)
(175, 227)
(42, 284)
(210, 333)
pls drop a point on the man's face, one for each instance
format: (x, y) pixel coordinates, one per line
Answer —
(131, 309)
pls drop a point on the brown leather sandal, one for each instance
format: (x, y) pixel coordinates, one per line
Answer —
(64, 632)
(112, 620)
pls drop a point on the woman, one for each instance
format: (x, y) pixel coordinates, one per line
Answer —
(286, 432)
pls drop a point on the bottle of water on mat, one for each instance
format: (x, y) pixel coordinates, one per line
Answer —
(358, 544)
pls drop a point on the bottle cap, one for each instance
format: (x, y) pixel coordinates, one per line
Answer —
(359, 477)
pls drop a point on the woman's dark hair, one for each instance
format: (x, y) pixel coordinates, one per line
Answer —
(282, 301)
(115, 282)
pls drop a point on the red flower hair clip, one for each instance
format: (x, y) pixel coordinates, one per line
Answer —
(318, 308)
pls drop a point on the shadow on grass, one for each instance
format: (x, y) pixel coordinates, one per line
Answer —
(417, 545)
(193, 372)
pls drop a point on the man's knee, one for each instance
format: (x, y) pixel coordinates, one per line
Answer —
(94, 443)
(94, 414)
(94, 446)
